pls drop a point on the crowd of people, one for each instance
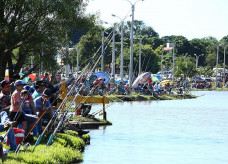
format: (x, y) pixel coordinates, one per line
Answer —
(21, 106)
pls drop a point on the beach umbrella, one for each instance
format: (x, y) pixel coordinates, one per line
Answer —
(156, 77)
(141, 79)
(162, 83)
(119, 79)
(96, 75)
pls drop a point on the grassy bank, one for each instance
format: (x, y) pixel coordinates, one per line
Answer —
(66, 148)
(139, 97)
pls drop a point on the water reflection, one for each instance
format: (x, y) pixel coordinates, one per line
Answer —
(177, 131)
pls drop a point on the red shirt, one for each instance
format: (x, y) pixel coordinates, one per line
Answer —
(150, 81)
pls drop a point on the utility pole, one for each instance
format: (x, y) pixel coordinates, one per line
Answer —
(121, 57)
(113, 53)
(224, 67)
(216, 82)
(140, 42)
(77, 59)
(131, 50)
(67, 67)
(102, 52)
(197, 59)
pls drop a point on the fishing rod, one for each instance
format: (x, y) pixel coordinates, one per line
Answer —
(19, 146)
(64, 115)
(61, 120)
(56, 112)
(17, 115)
(40, 137)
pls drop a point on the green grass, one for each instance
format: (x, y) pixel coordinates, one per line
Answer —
(139, 97)
(66, 148)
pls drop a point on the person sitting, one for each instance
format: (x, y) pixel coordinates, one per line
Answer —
(16, 112)
(156, 88)
(139, 88)
(39, 86)
(5, 122)
(27, 105)
(42, 104)
(127, 89)
(15, 109)
(120, 88)
(97, 84)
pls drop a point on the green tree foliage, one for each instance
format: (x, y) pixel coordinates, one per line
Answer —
(185, 67)
(90, 43)
(36, 27)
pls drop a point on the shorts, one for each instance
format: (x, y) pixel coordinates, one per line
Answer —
(30, 118)
(20, 117)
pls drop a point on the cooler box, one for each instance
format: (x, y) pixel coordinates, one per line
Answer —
(19, 135)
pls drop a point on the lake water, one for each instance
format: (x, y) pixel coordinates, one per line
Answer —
(193, 131)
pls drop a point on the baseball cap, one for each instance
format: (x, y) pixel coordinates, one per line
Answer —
(4, 82)
(47, 92)
(19, 82)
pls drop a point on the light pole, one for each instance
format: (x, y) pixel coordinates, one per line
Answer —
(77, 59)
(216, 78)
(197, 59)
(102, 49)
(113, 53)
(140, 42)
(174, 59)
(121, 59)
(131, 50)
(162, 64)
(224, 68)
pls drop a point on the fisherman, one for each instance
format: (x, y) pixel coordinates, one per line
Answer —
(39, 86)
(120, 87)
(16, 112)
(42, 103)
(5, 123)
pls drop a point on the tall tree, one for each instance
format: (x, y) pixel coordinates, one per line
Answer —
(34, 26)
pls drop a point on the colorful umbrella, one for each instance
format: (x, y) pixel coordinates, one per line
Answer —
(162, 83)
(32, 76)
(96, 75)
(124, 80)
(141, 79)
(156, 78)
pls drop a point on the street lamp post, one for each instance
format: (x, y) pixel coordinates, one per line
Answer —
(197, 59)
(102, 52)
(140, 42)
(131, 50)
(102, 49)
(162, 64)
(121, 58)
(216, 83)
(77, 60)
(224, 67)
(174, 59)
(113, 53)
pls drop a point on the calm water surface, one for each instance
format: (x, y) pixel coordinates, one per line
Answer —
(191, 131)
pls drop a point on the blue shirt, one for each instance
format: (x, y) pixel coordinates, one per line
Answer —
(36, 94)
(38, 103)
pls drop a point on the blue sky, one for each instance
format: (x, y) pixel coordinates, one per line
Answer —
(189, 18)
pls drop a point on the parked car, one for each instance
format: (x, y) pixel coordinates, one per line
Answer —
(198, 80)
